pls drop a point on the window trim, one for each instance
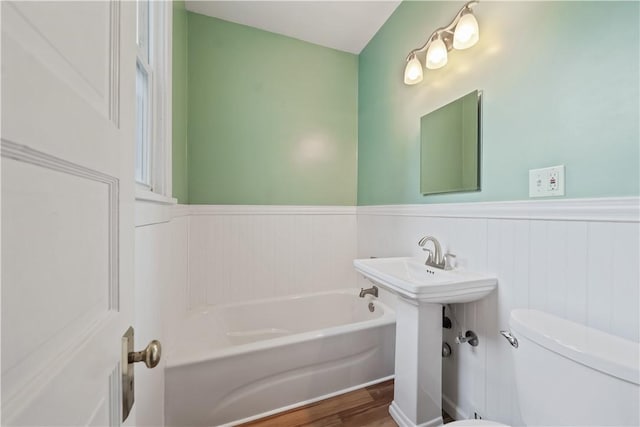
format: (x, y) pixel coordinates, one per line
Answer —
(147, 161)
(160, 100)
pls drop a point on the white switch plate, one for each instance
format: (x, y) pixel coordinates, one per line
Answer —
(546, 182)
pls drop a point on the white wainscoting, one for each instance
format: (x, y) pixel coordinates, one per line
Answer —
(161, 253)
(574, 258)
(239, 253)
(577, 259)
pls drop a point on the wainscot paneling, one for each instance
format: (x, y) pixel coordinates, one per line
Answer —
(239, 253)
(161, 255)
(577, 259)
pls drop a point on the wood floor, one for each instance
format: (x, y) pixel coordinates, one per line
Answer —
(365, 407)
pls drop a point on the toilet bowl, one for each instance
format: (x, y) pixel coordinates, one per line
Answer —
(568, 374)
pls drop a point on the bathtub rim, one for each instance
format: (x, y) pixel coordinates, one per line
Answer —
(388, 317)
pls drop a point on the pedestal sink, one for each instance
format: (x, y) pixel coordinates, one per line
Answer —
(417, 400)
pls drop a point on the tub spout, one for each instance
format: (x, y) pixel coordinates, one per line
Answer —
(371, 291)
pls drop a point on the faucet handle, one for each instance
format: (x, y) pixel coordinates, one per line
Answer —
(429, 254)
(449, 261)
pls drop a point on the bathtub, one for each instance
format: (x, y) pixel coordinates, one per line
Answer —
(238, 362)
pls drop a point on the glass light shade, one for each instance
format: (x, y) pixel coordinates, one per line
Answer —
(413, 71)
(436, 55)
(467, 32)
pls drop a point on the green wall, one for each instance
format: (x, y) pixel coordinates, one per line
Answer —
(561, 86)
(179, 99)
(272, 120)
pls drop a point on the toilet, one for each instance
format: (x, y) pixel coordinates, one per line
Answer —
(568, 374)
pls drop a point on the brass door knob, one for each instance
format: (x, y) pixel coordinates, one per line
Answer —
(150, 355)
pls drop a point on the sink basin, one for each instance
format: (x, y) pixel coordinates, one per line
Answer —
(411, 278)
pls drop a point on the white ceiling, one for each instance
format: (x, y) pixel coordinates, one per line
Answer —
(342, 25)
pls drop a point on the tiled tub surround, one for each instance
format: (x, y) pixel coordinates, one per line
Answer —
(577, 259)
(245, 359)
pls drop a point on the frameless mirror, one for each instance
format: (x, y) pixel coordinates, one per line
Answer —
(450, 147)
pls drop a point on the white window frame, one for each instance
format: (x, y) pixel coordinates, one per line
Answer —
(159, 73)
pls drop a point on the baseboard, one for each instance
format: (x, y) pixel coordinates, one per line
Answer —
(403, 421)
(452, 409)
(307, 402)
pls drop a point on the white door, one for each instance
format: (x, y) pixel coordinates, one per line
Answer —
(68, 99)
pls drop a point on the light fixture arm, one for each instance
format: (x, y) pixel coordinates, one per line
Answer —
(446, 29)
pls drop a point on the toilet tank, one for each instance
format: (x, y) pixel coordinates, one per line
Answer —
(568, 374)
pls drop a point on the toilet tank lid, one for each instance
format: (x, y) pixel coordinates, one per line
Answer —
(607, 353)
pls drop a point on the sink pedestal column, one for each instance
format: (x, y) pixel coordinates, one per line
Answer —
(417, 399)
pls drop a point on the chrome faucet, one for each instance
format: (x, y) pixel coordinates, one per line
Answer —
(435, 258)
(371, 291)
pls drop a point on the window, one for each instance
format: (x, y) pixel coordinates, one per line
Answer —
(142, 126)
(153, 98)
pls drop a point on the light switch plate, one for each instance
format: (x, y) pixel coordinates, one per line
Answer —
(546, 182)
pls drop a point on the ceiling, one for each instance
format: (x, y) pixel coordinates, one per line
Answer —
(342, 25)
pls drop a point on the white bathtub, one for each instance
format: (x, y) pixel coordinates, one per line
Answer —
(240, 361)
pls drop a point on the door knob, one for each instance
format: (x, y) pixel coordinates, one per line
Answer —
(150, 355)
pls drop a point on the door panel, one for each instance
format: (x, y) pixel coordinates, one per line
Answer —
(68, 72)
(52, 106)
(82, 52)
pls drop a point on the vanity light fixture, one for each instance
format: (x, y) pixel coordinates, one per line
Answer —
(461, 33)
(436, 54)
(413, 71)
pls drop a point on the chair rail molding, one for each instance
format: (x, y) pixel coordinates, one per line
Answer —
(610, 209)
(270, 210)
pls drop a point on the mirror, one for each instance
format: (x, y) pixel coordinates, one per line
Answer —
(450, 147)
